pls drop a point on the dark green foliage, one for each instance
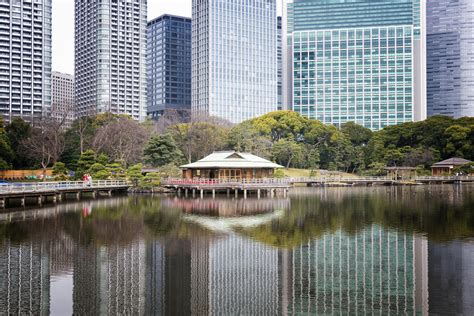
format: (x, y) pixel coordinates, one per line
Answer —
(162, 150)
(60, 172)
(6, 153)
(18, 131)
(134, 174)
(86, 160)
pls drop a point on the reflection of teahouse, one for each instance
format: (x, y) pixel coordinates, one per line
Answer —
(230, 165)
(446, 166)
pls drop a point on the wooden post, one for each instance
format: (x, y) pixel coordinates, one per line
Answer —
(185, 192)
(2, 203)
(285, 190)
(54, 199)
(236, 193)
(40, 200)
(202, 193)
(94, 194)
(213, 193)
(194, 193)
(258, 194)
(245, 193)
(110, 192)
(59, 197)
(179, 191)
(228, 192)
(78, 195)
(22, 201)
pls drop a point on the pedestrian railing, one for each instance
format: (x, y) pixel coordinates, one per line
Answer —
(445, 178)
(293, 180)
(263, 181)
(20, 187)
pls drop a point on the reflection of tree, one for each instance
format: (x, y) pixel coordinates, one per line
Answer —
(423, 210)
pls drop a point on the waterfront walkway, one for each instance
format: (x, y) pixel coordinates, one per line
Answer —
(272, 186)
(40, 192)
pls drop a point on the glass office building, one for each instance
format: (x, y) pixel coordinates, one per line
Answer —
(234, 59)
(357, 60)
(25, 59)
(110, 57)
(168, 64)
(450, 60)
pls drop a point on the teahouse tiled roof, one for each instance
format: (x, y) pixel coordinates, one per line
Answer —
(452, 162)
(231, 159)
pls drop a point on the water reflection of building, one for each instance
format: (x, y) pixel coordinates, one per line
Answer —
(227, 207)
(62, 251)
(373, 271)
(24, 281)
(451, 277)
(110, 279)
(220, 277)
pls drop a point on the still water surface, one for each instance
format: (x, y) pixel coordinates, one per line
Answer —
(384, 250)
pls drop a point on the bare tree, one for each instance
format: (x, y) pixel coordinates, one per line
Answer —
(169, 118)
(46, 142)
(122, 139)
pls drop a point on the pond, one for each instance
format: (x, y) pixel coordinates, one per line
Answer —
(389, 250)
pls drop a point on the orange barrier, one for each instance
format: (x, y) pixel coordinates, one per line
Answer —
(24, 174)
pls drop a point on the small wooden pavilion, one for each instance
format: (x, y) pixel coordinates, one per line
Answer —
(446, 167)
(230, 165)
(401, 173)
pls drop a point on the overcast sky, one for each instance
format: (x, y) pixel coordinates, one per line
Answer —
(63, 27)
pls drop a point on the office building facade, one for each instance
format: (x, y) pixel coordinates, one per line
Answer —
(234, 59)
(358, 60)
(450, 63)
(110, 57)
(62, 97)
(25, 59)
(279, 64)
(168, 64)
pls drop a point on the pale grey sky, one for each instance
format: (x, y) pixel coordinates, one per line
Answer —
(63, 27)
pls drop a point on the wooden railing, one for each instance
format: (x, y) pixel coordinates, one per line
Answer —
(60, 186)
(292, 180)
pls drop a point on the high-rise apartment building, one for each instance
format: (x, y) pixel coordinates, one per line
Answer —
(279, 64)
(62, 97)
(110, 61)
(450, 59)
(358, 60)
(25, 59)
(234, 58)
(168, 64)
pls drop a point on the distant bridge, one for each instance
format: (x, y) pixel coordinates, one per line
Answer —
(40, 192)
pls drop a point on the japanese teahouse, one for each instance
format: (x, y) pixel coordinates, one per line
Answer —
(230, 165)
(447, 166)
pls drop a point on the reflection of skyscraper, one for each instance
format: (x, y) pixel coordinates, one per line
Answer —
(372, 271)
(242, 277)
(451, 278)
(155, 278)
(24, 282)
(110, 279)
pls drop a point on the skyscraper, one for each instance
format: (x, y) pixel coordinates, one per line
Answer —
(25, 59)
(279, 64)
(234, 58)
(62, 97)
(450, 63)
(168, 64)
(358, 60)
(110, 61)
